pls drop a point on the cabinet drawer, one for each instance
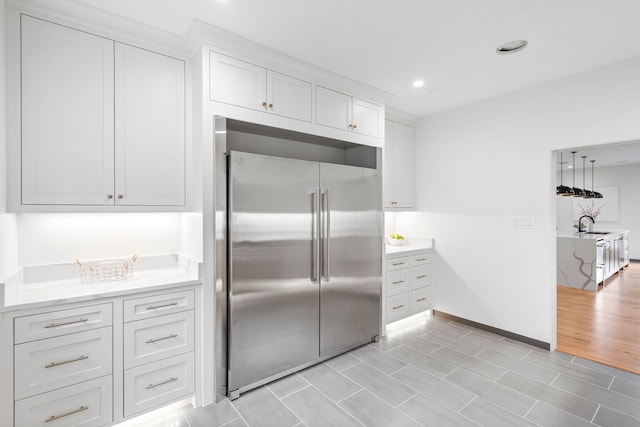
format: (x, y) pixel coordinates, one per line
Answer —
(158, 383)
(420, 259)
(396, 282)
(420, 300)
(86, 404)
(157, 338)
(419, 276)
(62, 322)
(396, 263)
(156, 305)
(397, 307)
(53, 363)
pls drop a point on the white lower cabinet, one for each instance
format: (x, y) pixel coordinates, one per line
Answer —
(62, 361)
(85, 404)
(407, 289)
(99, 364)
(158, 351)
(149, 386)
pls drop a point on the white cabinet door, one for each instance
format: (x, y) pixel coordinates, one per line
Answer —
(288, 96)
(67, 115)
(87, 404)
(237, 82)
(333, 108)
(399, 166)
(404, 166)
(150, 128)
(388, 169)
(46, 365)
(337, 110)
(367, 118)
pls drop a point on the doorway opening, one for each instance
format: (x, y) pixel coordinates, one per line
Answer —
(598, 271)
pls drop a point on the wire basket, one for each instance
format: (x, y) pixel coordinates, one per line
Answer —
(107, 270)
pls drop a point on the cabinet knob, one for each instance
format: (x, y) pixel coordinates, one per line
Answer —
(120, 196)
(109, 196)
(271, 106)
(355, 126)
(350, 126)
(264, 104)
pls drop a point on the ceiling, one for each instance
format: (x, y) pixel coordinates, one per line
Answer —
(450, 44)
(605, 156)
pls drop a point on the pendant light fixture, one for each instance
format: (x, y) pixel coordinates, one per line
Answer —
(563, 190)
(577, 192)
(587, 193)
(596, 195)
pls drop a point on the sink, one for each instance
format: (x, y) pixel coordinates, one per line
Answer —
(597, 232)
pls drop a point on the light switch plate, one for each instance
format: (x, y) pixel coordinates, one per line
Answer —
(523, 222)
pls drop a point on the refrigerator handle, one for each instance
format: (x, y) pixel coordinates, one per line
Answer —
(315, 234)
(326, 226)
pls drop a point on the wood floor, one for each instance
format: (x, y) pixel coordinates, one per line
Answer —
(603, 326)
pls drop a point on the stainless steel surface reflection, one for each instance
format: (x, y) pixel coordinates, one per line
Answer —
(305, 263)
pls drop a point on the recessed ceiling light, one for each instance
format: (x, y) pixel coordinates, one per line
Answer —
(418, 83)
(511, 47)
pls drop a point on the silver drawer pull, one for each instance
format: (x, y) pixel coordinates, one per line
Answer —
(57, 417)
(160, 339)
(399, 281)
(54, 364)
(420, 299)
(398, 306)
(421, 276)
(397, 263)
(55, 325)
(153, 307)
(170, 380)
(421, 259)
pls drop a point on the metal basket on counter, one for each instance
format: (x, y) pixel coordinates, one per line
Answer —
(107, 270)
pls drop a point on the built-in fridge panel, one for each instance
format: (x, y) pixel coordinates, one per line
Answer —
(351, 244)
(273, 284)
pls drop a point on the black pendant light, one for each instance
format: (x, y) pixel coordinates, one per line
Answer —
(596, 195)
(587, 193)
(563, 190)
(577, 192)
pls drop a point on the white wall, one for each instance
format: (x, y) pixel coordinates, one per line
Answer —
(479, 165)
(60, 238)
(626, 178)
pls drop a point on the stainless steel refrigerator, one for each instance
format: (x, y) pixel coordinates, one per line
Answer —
(304, 264)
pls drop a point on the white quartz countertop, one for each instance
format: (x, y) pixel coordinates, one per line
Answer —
(587, 236)
(413, 245)
(49, 285)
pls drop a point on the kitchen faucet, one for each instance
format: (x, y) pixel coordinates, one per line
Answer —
(580, 230)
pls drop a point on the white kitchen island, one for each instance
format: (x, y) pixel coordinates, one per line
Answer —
(586, 260)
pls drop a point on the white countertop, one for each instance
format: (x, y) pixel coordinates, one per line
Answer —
(576, 235)
(413, 244)
(47, 285)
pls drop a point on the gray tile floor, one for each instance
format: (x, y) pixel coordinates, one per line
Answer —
(429, 371)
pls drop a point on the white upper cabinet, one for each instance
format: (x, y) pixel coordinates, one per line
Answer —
(67, 115)
(102, 123)
(399, 166)
(243, 84)
(150, 128)
(340, 111)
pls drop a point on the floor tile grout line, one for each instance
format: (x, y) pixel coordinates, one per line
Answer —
(475, 397)
(595, 414)
(405, 401)
(611, 383)
(288, 408)
(533, 405)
